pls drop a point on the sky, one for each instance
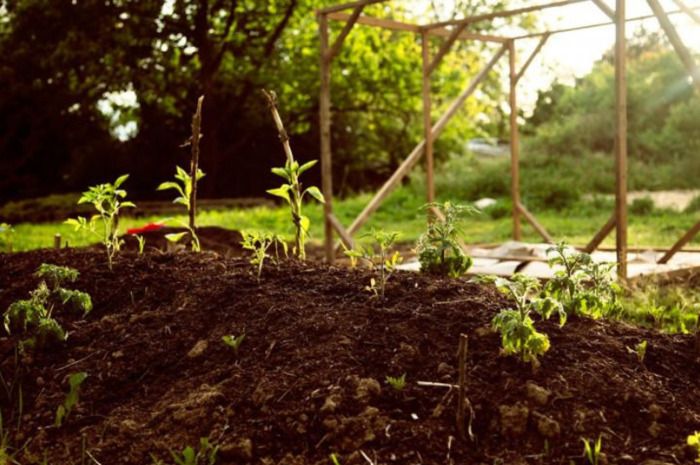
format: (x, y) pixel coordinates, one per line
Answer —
(570, 55)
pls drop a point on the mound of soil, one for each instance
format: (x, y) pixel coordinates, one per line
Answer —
(309, 378)
(226, 242)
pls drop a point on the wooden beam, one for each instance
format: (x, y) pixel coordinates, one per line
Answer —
(687, 10)
(621, 140)
(530, 59)
(514, 143)
(446, 46)
(335, 48)
(325, 129)
(405, 167)
(605, 8)
(347, 6)
(393, 25)
(601, 235)
(428, 122)
(534, 223)
(342, 232)
(676, 41)
(503, 14)
(687, 237)
(595, 25)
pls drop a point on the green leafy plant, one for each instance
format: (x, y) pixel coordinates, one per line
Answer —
(398, 383)
(184, 187)
(640, 350)
(694, 441)
(518, 333)
(234, 342)
(291, 191)
(141, 243)
(381, 260)
(7, 233)
(584, 287)
(259, 244)
(438, 248)
(34, 315)
(107, 199)
(592, 451)
(75, 380)
(204, 455)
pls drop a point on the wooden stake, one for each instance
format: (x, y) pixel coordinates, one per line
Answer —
(514, 143)
(194, 163)
(601, 235)
(57, 241)
(427, 122)
(325, 125)
(461, 400)
(621, 140)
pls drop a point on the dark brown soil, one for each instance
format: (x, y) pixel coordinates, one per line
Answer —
(309, 379)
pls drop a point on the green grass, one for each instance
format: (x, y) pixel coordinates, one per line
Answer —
(401, 212)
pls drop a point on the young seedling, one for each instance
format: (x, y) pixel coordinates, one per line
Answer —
(592, 451)
(205, 455)
(64, 410)
(234, 342)
(694, 441)
(518, 334)
(185, 189)
(107, 199)
(259, 244)
(438, 248)
(141, 242)
(398, 383)
(7, 233)
(291, 191)
(583, 286)
(381, 260)
(334, 459)
(640, 350)
(34, 315)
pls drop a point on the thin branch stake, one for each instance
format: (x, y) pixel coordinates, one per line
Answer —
(194, 164)
(461, 399)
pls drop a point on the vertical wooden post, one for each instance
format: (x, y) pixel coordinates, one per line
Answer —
(427, 123)
(462, 383)
(325, 125)
(514, 143)
(56, 241)
(621, 140)
(194, 162)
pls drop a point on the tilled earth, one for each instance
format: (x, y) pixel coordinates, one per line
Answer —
(309, 378)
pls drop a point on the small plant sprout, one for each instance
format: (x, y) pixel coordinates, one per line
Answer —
(64, 410)
(640, 350)
(592, 451)
(694, 441)
(141, 243)
(107, 199)
(334, 459)
(398, 383)
(584, 287)
(259, 244)
(518, 334)
(184, 187)
(234, 342)
(34, 315)
(7, 233)
(438, 248)
(291, 191)
(381, 260)
(205, 455)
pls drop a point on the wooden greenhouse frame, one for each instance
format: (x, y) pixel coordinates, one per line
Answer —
(457, 29)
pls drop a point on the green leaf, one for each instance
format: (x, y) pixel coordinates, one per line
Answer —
(120, 180)
(281, 172)
(175, 237)
(315, 193)
(282, 191)
(168, 185)
(307, 165)
(128, 204)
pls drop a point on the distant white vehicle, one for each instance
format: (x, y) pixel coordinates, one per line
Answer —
(488, 146)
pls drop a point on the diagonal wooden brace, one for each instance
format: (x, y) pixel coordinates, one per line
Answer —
(605, 8)
(335, 48)
(531, 58)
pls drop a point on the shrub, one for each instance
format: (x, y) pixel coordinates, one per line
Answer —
(501, 209)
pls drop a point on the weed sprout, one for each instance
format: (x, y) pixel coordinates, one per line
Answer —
(382, 261)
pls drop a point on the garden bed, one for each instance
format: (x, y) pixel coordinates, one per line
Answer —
(309, 378)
